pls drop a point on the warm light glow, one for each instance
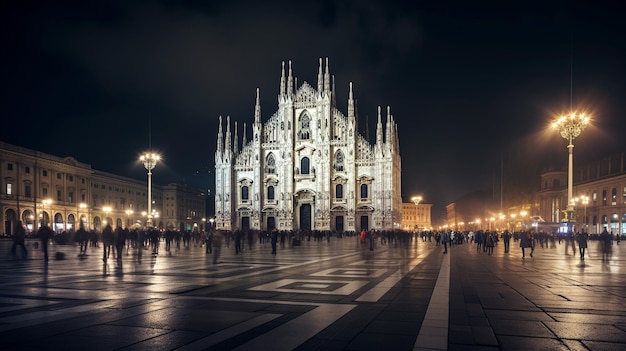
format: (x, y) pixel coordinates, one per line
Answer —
(149, 160)
(585, 200)
(106, 209)
(416, 199)
(571, 126)
(82, 205)
(129, 212)
(523, 213)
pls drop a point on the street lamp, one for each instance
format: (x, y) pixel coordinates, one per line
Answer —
(416, 200)
(212, 220)
(149, 160)
(570, 127)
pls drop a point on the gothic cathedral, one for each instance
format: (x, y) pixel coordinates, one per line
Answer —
(307, 167)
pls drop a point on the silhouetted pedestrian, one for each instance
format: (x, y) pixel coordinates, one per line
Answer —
(18, 238)
(45, 234)
(527, 241)
(582, 243)
(506, 237)
(274, 240)
(218, 238)
(107, 241)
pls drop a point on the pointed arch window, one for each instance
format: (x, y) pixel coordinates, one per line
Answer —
(271, 164)
(305, 165)
(305, 127)
(244, 193)
(339, 161)
(339, 191)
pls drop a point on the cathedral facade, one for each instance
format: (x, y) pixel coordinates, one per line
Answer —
(307, 167)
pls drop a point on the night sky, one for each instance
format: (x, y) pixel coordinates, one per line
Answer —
(471, 87)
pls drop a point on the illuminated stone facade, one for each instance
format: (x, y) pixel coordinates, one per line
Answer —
(38, 187)
(416, 218)
(307, 167)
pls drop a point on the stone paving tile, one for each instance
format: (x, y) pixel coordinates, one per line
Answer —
(180, 300)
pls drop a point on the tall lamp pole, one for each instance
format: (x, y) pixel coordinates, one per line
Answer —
(416, 200)
(570, 127)
(149, 160)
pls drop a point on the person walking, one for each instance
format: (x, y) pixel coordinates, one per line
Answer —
(444, 240)
(18, 238)
(490, 243)
(274, 240)
(506, 237)
(107, 241)
(582, 243)
(208, 241)
(218, 238)
(45, 234)
(526, 241)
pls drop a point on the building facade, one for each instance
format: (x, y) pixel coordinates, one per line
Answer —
(41, 188)
(599, 192)
(307, 167)
(416, 218)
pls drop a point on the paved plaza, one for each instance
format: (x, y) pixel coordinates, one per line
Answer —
(318, 296)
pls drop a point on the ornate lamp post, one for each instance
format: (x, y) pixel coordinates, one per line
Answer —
(149, 160)
(570, 127)
(416, 200)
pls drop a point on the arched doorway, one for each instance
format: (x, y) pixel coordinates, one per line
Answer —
(71, 222)
(365, 223)
(10, 220)
(58, 222)
(271, 223)
(305, 217)
(29, 220)
(97, 224)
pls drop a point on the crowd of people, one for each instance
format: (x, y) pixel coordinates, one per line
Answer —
(120, 240)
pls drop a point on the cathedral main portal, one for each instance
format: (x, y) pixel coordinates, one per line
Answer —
(305, 217)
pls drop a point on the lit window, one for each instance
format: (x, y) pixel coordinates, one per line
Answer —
(9, 189)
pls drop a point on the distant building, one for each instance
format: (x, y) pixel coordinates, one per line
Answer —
(59, 191)
(307, 167)
(416, 218)
(603, 182)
